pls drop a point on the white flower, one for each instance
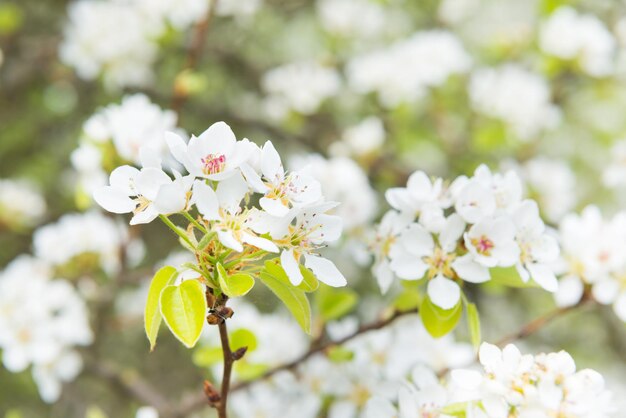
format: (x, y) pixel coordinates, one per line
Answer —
(361, 18)
(147, 193)
(282, 191)
(147, 412)
(365, 137)
(569, 35)
(415, 255)
(21, 204)
(223, 207)
(385, 237)
(492, 242)
(538, 250)
(515, 95)
(215, 154)
(312, 229)
(299, 86)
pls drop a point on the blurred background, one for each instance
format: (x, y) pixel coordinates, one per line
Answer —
(363, 93)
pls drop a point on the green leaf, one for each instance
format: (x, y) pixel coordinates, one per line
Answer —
(340, 354)
(473, 321)
(152, 313)
(249, 371)
(457, 409)
(243, 338)
(235, 285)
(409, 299)
(206, 239)
(207, 356)
(438, 322)
(309, 281)
(184, 309)
(508, 276)
(334, 303)
(294, 299)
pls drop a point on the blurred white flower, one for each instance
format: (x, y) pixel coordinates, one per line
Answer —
(363, 138)
(299, 86)
(515, 95)
(572, 36)
(21, 204)
(147, 412)
(352, 18)
(403, 71)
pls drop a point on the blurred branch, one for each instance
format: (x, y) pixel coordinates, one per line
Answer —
(229, 359)
(193, 55)
(317, 347)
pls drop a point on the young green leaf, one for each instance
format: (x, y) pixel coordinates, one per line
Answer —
(184, 309)
(438, 322)
(235, 285)
(294, 299)
(243, 338)
(309, 282)
(473, 321)
(152, 314)
(334, 303)
(508, 276)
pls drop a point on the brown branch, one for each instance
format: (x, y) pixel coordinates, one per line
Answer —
(194, 53)
(221, 406)
(317, 347)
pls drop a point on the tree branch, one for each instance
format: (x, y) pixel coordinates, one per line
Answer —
(222, 406)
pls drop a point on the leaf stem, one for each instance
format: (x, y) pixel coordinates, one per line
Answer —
(174, 228)
(195, 222)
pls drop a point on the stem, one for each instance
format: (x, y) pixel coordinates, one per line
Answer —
(194, 222)
(222, 410)
(174, 228)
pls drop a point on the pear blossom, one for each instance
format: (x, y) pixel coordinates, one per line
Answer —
(282, 191)
(492, 242)
(215, 154)
(538, 250)
(147, 193)
(386, 234)
(21, 204)
(222, 205)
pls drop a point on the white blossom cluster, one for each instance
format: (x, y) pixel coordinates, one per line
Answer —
(452, 233)
(223, 173)
(116, 133)
(21, 204)
(584, 38)
(377, 366)
(518, 97)
(405, 70)
(42, 320)
(593, 255)
(614, 174)
(352, 18)
(89, 239)
(118, 39)
(300, 87)
(362, 139)
(522, 385)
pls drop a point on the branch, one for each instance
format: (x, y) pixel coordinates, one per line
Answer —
(193, 56)
(200, 401)
(222, 411)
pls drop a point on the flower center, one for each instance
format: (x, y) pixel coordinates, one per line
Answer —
(439, 262)
(213, 163)
(483, 245)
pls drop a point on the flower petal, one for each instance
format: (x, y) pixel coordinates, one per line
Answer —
(206, 201)
(325, 270)
(259, 242)
(444, 292)
(114, 200)
(469, 270)
(227, 238)
(291, 266)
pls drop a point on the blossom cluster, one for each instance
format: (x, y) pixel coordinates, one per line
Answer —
(21, 204)
(42, 320)
(593, 259)
(119, 39)
(449, 234)
(115, 134)
(522, 385)
(224, 173)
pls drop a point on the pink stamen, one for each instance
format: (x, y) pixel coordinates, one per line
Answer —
(213, 163)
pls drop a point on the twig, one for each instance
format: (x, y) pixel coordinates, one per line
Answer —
(221, 407)
(193, 56)
(200, 400)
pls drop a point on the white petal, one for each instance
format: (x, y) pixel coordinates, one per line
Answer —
(145, 216)
(253, 179)
(605, 291)
(416, 240)
(206, 201)
(466, 379)
(217, 139)
(178, 148)
(325, 270)
(124, 178)
(259, 242)
(271, 166)
(227, 238)
(408, 267)
(274, 207)
(171, 198)
(149, 157)
(452, 232)
(489, 355)
(114, 200)
(444, 292)
(569, 292)
(291, 267)
(544, 276)
(378, 407)
(469, 270)
(231, 191)
(150, 180)
(384, 275)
